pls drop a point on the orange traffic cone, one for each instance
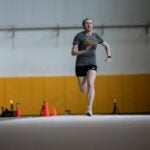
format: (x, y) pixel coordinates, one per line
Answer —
(45, 109)
(18, 111)
(54, 112)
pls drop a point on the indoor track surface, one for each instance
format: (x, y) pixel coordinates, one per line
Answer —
(76, 132)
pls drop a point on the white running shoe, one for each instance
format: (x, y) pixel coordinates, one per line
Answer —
(89, 113)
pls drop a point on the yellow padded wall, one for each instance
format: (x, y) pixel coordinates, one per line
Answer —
(2, 92)
(116, 90)
(129, 93)
(74, 100)
(37, 95)
(54, 93)
(132, 93)
(25, 99)
(103, 102)
(142, 95)
(136, 95)
(12, 90)
(108, 88)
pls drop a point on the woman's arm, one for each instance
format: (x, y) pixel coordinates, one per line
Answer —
(108, 51)
(76, 52)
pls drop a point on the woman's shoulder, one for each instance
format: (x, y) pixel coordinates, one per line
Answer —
(95, 34)
(98, 37)
(80, 33)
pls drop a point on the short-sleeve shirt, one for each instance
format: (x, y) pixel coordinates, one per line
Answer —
(82, 40)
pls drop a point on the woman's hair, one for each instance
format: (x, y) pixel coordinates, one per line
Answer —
(83, 22)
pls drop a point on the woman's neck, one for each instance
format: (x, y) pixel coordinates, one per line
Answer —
(88, 33)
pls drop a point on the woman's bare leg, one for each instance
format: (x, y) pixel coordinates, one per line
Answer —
(82, 84)
(91, 76)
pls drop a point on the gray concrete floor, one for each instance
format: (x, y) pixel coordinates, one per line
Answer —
(99, 132)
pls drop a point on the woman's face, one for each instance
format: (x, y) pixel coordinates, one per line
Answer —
(88, 25)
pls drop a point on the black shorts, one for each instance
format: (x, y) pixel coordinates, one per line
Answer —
(82, 70)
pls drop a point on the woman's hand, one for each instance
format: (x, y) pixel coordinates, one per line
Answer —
(108, 60)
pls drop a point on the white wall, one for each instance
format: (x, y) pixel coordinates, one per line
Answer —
(58, 12)
(47, 52)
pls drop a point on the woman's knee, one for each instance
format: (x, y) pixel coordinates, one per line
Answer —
(83, 88)
(90, 85)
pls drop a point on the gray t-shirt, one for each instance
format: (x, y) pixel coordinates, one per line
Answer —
(82, 40)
